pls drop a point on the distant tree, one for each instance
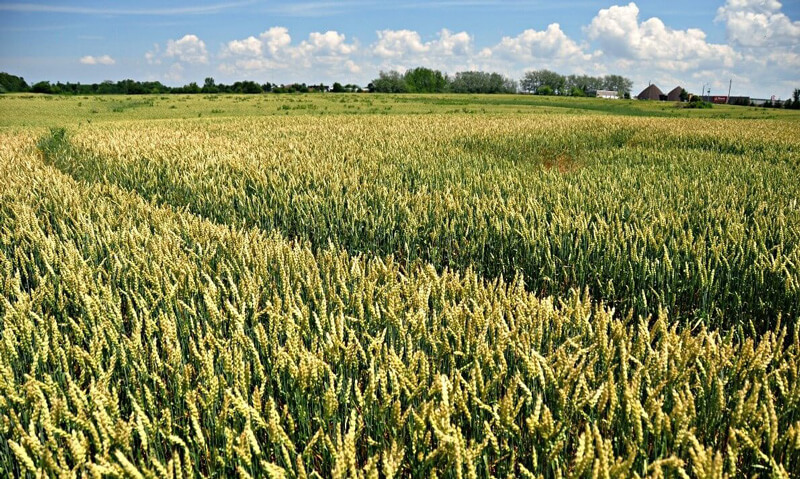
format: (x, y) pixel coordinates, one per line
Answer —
(42, 87)
(555, 81)
(247, 86)
(389, 82)
(129, 87)
(696, 101)
(545, 90)
(481, 82)
(337, 88)
(210, 86)
(425, 80)
(12, 83)
(266, 87)
(531, 81)
(535, 80)
(157, 87)
(585, 83)
(575, 91)
(684, 95)
(617, 83)
(106, 88)
(292, 88)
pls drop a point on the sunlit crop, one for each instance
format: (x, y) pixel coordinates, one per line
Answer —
(453, 296)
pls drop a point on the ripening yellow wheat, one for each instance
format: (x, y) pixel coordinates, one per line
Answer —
(412, 296)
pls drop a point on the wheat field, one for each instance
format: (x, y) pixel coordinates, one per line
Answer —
(453, 294)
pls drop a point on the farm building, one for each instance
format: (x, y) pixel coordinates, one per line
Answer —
(739, 100)
(675, 94)
(607, 94)
(652, 92)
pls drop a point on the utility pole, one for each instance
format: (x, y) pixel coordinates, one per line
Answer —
(730, 83)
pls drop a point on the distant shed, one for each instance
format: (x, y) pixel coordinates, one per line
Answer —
(675, 94)
(607, 94)
(651, 93)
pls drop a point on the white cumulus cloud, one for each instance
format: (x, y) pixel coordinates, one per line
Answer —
(189, 49)
(328, 43)
(276, 39)
(176, 56)
(273, 50)
(552, 44)
(404, 49)
(758, 23)
(249, 47)
(101, 60)
(651, 43)
(352, 66)
(453, 43)
(398, 44)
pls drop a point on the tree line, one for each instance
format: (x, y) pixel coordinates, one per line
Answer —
(792, 103)
(416, 80)
(542, 82)
(546, 82)
(427, 80)
(11, 83)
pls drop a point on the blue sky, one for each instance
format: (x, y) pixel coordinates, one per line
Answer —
(754, 42)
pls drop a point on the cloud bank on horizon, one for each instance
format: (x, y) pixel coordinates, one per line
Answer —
(761, 52)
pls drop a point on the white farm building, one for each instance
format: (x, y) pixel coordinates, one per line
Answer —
(607, 94)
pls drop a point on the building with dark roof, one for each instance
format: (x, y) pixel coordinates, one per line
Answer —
(652, 92)
(675, 94)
